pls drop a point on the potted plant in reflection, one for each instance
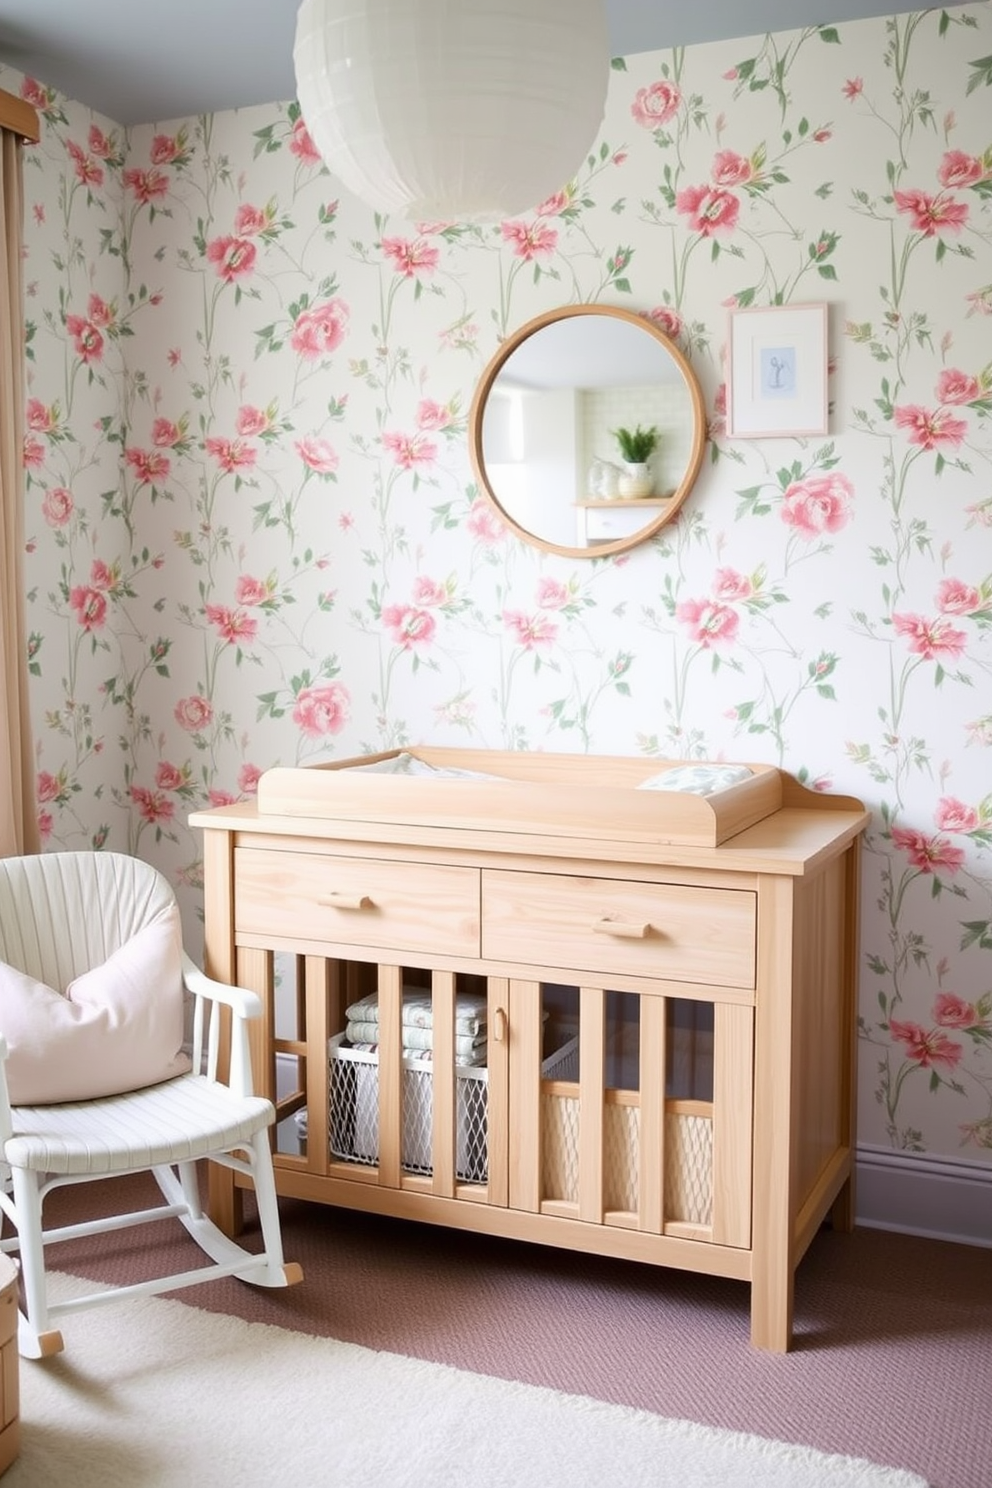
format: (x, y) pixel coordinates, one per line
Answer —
(636, 447)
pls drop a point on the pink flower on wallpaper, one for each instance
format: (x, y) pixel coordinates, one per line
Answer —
(930, 429)
(249, 591)
(249, 220)
(538, 240)
(954, 386)
(317, 455)
(853, 89)
(39, 418)
(431, 415)
(165, 433)
(669, 321)
(302, 146)
(928, 854)
(530, 631)
(553, 206)
(164, 149)
(428, 591)
(953, 815)
(101, 575)
(193, 714)
(34, 453)
(410, 450)
(552, 594)
(248, 778)
(232, 258)
(87, 341)
(45, 824)
(951, 1011)
(708, 622)
(217, 797)
(47, 788)
(483, 523)
(152, 806)
(322, 710)
(730, 169)
(957, 598)
(926, 1049)
(818, 504)
(149, 469)
(411, 258)
(147, 186)
(99, 143)
(729, 585)
(409, 627)
(168, 777)
(655, 105)
(85, 167)
(709, 210)
(934, 639)
(57, 506)
(90, 606)
(959, 170)
(232, 626)
(932, 214)
(99, 312)
(231, 454)
(319, 331)
(251, 421)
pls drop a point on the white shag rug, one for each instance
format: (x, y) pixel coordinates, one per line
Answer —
(150, 1393)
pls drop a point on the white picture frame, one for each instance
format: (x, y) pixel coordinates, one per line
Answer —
(777, 372)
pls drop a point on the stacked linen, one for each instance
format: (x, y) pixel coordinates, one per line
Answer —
(417, 1026)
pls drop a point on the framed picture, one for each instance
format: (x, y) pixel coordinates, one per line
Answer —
(777, 374)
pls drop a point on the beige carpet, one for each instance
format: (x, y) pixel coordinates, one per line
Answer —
(151, 1394)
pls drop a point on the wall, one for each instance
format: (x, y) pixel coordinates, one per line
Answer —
(254, 535)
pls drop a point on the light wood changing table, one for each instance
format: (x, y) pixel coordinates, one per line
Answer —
(669, 983)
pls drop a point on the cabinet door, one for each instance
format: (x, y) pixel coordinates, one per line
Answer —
(632, 1110)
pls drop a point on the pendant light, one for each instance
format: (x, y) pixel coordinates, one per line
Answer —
(452, 110)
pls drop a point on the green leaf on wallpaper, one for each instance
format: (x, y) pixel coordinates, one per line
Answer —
(981, 75)
(826, 271)
(618, 64)
(977, 932)
(745, 297)
(830, 34)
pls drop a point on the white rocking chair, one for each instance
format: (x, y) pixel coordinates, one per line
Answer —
(61, 916)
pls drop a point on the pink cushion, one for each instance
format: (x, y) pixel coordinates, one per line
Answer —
(118, 1027)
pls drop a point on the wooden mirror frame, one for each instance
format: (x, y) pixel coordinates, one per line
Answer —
(671, 505)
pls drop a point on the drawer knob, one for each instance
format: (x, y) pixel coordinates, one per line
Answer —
(499, 1025)
(346, 901)
(623, 928)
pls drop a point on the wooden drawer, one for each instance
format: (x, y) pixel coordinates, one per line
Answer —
(387, 906)
(604, 925)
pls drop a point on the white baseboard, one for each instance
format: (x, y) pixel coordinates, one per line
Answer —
(916, 1193)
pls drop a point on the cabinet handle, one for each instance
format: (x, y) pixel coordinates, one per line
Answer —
(623, 928)
(499, 1025)
(346, 901)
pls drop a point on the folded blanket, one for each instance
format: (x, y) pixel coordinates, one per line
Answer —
(425, 1056)
(418, 1012)
(415, 1040)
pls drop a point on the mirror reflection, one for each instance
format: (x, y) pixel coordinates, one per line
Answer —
(587, 430)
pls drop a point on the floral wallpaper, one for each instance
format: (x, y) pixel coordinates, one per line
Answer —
(255, 537)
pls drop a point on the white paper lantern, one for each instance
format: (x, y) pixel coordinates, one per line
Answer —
(452, 110)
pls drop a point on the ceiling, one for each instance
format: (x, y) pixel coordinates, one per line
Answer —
(141, 61)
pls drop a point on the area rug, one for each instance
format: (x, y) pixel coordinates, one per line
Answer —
(150, 1394)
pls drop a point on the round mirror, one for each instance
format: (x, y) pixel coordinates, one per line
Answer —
(587, 430)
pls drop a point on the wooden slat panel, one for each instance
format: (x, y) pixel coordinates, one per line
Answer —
(443, 1107)
(651, 1168)
(255, 971)
(390, 1075)
(320, 977)
(733, 1063)
(525, 1095)
(497, 1095)
(592, 1080)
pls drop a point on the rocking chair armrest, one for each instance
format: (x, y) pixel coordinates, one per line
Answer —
(243, 1004)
